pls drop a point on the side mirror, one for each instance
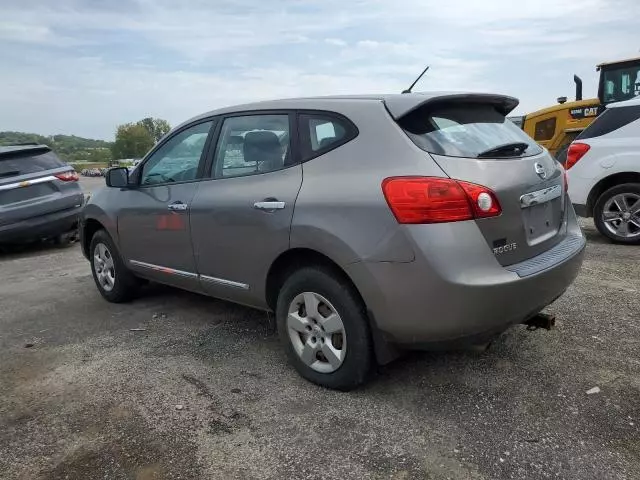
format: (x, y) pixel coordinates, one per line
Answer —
(117, 177)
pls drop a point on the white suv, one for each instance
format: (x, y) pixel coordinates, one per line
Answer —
(603, 168)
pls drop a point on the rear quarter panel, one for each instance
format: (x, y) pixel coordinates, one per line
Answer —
(606, 157)
(341, 210)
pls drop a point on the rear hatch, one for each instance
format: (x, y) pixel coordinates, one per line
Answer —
(35, 182)
(472, 140)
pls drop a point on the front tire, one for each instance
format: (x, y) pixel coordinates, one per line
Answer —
(323, 326)
(617, 213)
(114, 281)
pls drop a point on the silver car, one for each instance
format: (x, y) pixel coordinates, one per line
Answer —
(368, 224)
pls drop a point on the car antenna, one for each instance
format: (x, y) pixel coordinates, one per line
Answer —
(408, 90)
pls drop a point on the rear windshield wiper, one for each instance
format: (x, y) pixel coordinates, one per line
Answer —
(507, 149)
(11, 173)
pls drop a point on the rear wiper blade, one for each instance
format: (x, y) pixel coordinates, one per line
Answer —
(11, 173)
(515, 148)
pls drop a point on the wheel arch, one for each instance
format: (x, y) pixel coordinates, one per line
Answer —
(89, 228)
(606, 183)
(295, 258)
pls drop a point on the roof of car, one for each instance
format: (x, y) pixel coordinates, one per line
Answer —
(6, 149)
(625, 103)
(398, 104)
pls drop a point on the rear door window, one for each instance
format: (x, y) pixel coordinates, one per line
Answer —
(611, 119)
(253, 144)
(464, 130)
(28, 161)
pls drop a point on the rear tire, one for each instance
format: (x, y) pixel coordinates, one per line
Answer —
(614, 214)
(114, 281)
(319, 312)
(65, 239)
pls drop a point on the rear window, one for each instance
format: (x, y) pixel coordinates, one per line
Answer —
(464, 130)
(611, 119)
(30, 161)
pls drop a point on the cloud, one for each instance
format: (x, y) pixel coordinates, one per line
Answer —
(335, 41)
(79, 66)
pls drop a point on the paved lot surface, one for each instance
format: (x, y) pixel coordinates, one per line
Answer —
(205, 392)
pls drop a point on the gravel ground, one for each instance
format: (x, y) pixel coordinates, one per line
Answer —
(91, 184)
(204, 390)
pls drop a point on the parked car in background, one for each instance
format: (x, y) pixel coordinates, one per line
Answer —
(134, 164)
(39, 195)
(603, 167)
(368, 224)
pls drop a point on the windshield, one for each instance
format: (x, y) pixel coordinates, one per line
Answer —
(621, 83)
(462, 130)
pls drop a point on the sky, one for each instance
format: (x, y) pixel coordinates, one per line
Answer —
(84, 66)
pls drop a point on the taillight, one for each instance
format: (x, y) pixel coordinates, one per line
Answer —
(438, 200)
(576, 152)
(70, 176)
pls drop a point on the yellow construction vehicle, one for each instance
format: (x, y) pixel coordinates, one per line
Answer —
(557, 126)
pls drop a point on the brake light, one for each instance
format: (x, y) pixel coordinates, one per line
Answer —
(576, 152)
(70, 176)
(438, 200)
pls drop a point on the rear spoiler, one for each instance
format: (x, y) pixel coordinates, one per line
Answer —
(401, 105)
(22, 149)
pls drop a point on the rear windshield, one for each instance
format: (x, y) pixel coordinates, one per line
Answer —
(464, 130)
(20, 163)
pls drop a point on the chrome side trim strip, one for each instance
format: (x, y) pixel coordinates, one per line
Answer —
(26, 183)
(222, 281)
(158, 268)
(182, 273)
(541, 196)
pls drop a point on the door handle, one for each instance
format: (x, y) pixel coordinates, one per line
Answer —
(269, 205)
(177, 206)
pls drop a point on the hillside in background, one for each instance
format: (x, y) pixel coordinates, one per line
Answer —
(68, 147)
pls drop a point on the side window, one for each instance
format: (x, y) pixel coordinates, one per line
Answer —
(178, 158)
(545, 129)
(253, 144)
(321, 132)
(611, 120)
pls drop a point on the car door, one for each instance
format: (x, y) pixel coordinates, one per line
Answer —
(153, 222)
(241, 216)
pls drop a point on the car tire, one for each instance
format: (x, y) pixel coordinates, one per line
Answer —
(312, 296)
(65, 239)
(609, 218)
(114, 281)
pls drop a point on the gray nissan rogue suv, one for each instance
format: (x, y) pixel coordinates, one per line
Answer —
(366, 223)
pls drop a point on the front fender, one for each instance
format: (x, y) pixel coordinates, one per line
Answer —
(99, 209)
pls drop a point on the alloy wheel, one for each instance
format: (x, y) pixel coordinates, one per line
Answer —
(621, 215)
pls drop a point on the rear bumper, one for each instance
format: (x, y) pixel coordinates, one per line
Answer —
(456, 289)
(40, 227)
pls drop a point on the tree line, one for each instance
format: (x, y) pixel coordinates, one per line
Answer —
(132, 140)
